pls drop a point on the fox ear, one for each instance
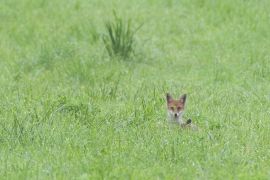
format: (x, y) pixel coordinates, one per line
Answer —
(169, 97)
(183, 98)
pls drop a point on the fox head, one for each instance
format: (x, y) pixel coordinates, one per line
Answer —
(176, 107)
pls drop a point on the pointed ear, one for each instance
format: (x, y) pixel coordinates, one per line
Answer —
(169, 97)
(183, 99)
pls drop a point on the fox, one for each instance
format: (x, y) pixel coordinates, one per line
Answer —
(176, 109)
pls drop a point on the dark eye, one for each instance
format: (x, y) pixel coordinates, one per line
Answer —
(178, 108)
(172, 108)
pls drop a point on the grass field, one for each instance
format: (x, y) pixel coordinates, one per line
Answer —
(68, 110)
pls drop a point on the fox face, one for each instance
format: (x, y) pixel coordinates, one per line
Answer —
(176, 107)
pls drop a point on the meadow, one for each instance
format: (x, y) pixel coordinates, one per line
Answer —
(70, 110)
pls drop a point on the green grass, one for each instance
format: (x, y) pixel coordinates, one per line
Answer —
(119, 39)
(70, 111)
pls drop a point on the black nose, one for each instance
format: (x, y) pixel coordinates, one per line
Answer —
(175, 115)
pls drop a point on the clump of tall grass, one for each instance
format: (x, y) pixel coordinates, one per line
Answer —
(119, 37)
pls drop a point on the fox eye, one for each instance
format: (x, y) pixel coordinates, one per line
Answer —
(172, 108)
(178, 108)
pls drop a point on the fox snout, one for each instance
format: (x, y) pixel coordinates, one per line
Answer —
(175, 114)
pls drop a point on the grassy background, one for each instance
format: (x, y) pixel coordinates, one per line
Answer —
(69, 111)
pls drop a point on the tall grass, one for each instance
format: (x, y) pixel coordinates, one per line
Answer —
(119, 37)
(68, 113)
